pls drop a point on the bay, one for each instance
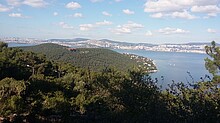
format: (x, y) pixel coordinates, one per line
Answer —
(175, 66)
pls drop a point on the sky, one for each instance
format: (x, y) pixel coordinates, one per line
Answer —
(138, 21)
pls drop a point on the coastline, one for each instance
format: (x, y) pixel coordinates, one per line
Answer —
(185, 48)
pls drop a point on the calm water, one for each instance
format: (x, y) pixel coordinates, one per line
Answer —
(174, 66)
(19, 44)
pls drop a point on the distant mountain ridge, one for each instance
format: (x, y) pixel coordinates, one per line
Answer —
(68, 40)
(106, 43)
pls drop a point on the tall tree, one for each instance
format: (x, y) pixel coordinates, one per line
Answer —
(3, 44)
(213, 63)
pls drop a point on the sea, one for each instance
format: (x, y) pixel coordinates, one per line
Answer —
(175, 66)
(172, 66)
(13, 44)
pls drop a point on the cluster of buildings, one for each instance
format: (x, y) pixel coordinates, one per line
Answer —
(88, 43)
(21, 40)
(178, 48)
(146, 64)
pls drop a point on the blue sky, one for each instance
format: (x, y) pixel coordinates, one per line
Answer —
(147, 21)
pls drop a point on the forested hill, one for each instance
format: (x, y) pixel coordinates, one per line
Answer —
(92, 58)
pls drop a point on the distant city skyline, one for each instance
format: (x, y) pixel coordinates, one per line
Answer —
(144, 21)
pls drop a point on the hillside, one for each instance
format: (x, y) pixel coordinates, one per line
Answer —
(92, 58)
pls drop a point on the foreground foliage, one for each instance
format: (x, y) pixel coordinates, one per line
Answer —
(39, 90)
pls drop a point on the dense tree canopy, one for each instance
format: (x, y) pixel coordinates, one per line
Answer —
(95, 59)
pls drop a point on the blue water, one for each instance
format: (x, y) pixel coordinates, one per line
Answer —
(19, 44)
(175, 66)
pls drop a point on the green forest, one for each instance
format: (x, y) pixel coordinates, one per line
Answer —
(37, 88)
(95, 59)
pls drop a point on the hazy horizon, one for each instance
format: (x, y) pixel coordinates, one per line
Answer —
(121, 41)
(143, 21)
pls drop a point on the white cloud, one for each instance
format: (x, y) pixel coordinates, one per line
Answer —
(4, 8)
(32, 3)
(205, 2)
(73, 5)
(118, 0)
(211, 30)
(128, 12)
(85, 27)
(94, 1)
(35, 3)
(206, 9)
(18, 15)
(162, 6)
(122, 30)
(181, 8)
(127, 28)
(133, 25)
(78, 15)
(65, 25)
(157, 15)
(211, 10)
(14, 2)
(175, 5)
(168, 31)
(103, 23)
(55, 14)
(212, 14)
(185, 14)
(106, 13)
(148, 33)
